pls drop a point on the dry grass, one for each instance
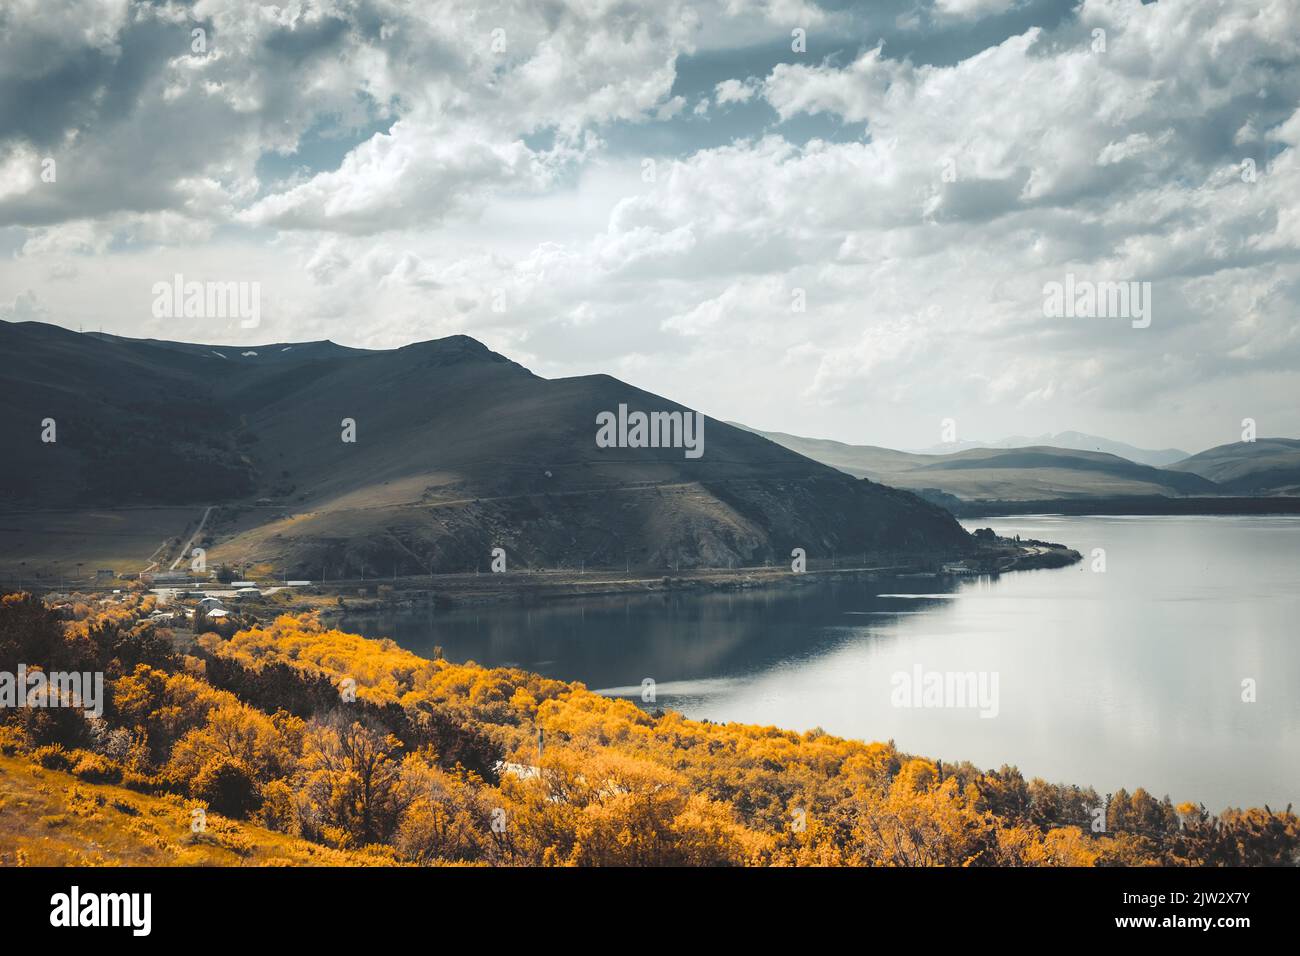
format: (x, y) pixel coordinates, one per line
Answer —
(48, 818)
(75, 543)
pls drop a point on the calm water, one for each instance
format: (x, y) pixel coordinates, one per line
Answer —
(1126, 678)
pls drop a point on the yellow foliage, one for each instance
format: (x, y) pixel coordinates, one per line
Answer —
(613, 786)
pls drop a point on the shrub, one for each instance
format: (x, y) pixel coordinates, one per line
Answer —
(227, 787)
(226, 834)
(277, 811)
(52, 757)
(143, 783)
(12, 740)
(93, 768)
(50, 725)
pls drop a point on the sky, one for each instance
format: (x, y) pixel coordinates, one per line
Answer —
(838, 220)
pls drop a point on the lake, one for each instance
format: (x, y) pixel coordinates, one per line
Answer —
(1124, 677)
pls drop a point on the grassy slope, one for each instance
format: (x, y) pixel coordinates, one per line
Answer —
(460, 450)
(75, 543)
(49, 818)
(1265, 466)
(1012, 474)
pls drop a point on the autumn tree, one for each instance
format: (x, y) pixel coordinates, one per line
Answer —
(350, 774)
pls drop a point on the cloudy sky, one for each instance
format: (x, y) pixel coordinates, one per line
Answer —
(835, 220)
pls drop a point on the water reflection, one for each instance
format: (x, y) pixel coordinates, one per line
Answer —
(1123, 678)
(616, 642)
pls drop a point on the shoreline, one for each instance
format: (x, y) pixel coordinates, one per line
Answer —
(335, 600)
(334, 603)
(1154, 505)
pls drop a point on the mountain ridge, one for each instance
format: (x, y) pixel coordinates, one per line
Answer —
(455, 449)
(1269, 466)
(1031, 473)
(1071, 441)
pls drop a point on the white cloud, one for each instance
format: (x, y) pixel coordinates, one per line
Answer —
(735, 91)
(972, 9)
(921, 247)
(24, 307)
(413, 175)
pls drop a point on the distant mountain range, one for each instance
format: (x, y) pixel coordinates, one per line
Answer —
(458, 450)
(1074, 441)
(1034, 473)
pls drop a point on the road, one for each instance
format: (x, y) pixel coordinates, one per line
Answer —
(197, 531)
(153, 563)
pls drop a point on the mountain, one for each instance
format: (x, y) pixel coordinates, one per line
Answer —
(1011, 474)
(1074, 441)
(1267, 466)
(862, 461)
(458, 450)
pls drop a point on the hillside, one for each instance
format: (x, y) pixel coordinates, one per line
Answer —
(1009, 474)
(1073, 441)
(1040, 472)
(56, 818)
(115, 405)
(458, 450)
(1267, 466)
